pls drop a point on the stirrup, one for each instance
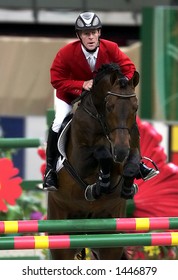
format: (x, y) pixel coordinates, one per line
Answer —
(153, 172)
(47, 186)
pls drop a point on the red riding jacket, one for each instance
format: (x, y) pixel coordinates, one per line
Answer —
(70, 68)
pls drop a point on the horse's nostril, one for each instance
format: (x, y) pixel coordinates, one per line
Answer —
(120, 155)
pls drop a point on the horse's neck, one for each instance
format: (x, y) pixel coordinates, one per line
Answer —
(98, 97)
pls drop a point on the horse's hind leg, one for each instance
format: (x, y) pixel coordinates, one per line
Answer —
(111, 254)
(60, 254)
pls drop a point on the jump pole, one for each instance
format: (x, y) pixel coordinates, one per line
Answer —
(89, 241)
(14, 143)
(89, 225)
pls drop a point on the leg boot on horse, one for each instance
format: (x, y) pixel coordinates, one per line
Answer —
(52, 153)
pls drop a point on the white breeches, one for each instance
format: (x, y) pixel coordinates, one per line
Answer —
(61, 110)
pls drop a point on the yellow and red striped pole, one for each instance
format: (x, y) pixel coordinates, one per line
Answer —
(89, 225)
(89, 241)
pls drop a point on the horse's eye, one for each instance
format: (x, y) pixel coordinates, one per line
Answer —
(136, 108)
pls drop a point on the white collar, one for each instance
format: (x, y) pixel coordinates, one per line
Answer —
(87, 54)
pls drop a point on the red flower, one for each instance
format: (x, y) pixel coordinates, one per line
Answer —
(171, 253)
(42, 153)
(135, 253)
(158, 196)
(10, 188)
(150, 141)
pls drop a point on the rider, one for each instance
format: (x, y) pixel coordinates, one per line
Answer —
(72, 73)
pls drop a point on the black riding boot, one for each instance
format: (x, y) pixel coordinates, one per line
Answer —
(52, 153)
(145, 172)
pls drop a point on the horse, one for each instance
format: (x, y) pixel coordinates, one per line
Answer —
(97, 147)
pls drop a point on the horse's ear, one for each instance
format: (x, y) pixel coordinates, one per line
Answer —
(136, 78)
(114, 77)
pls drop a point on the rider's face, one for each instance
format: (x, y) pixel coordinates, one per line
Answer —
(90, 38)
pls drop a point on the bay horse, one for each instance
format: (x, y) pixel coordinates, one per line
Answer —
(99, 144)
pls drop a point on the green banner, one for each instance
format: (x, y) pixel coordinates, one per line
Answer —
(166, 62)
(162, 53)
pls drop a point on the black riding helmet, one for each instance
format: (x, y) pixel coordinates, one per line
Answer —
(87, 21)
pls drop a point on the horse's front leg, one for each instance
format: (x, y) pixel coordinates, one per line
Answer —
(129, 188)
(130, 170)
(104, 159)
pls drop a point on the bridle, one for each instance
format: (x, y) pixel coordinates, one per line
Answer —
(101, 118)
(120, 95)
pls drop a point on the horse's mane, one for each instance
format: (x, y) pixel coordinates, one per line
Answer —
(100, 73)
(106, 69)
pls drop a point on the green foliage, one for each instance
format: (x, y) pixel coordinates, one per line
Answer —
(27, 203)
(7, 153)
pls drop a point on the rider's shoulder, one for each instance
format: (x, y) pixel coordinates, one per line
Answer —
(107, 43)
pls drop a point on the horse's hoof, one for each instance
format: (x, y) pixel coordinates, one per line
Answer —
(128, 193)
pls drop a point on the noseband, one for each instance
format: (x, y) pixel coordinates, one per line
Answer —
(120, 95)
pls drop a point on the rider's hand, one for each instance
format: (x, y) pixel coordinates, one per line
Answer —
(87, 85)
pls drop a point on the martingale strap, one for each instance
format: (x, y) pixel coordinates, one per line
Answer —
(73, 173)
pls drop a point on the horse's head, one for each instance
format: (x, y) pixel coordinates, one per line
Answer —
(117, 109)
